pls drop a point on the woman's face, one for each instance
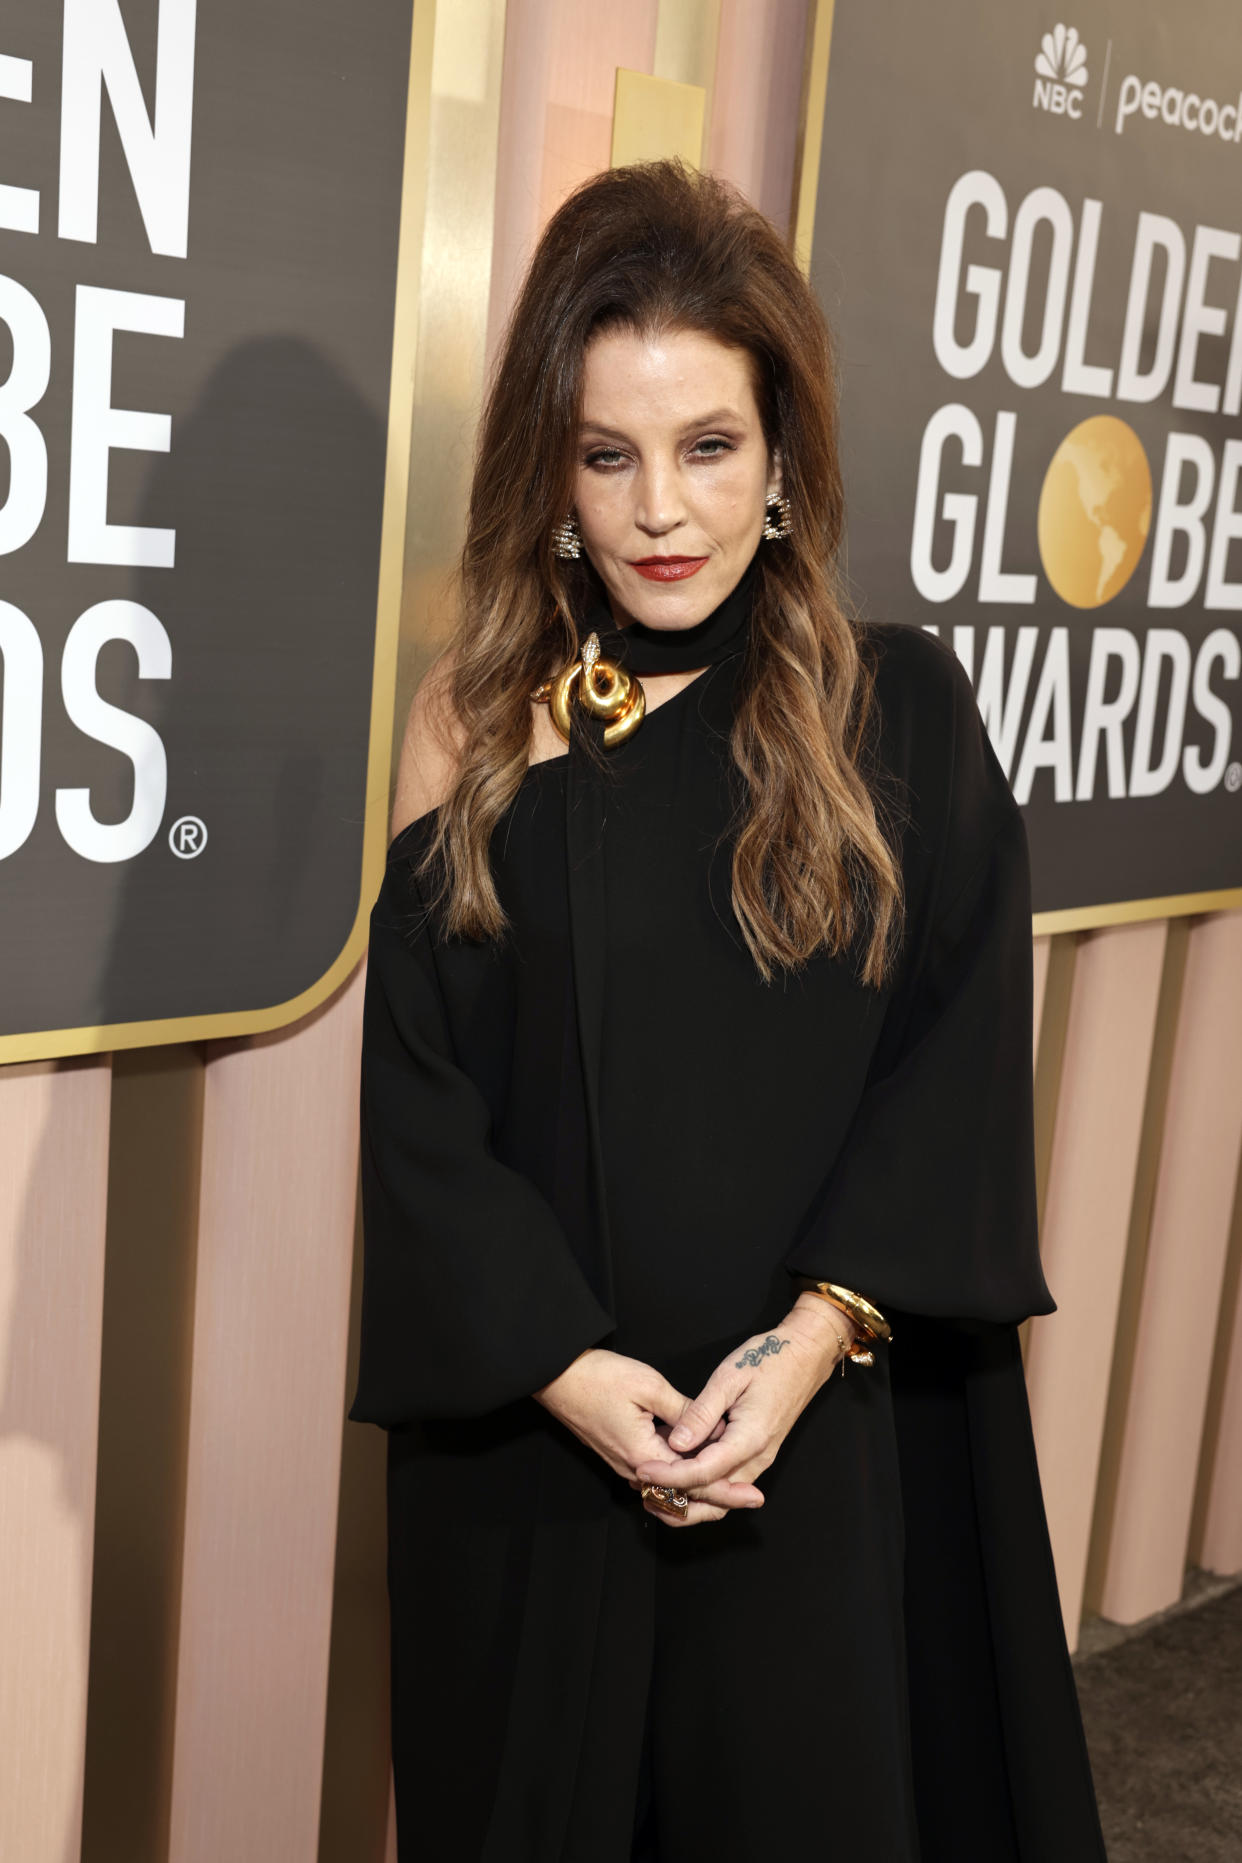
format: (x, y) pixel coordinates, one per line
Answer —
(673, 472)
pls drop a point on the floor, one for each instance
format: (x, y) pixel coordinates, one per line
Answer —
(1162, 1706)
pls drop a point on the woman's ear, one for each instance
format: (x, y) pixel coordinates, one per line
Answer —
(775, 476)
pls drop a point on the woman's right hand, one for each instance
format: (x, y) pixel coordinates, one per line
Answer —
(624, 1410)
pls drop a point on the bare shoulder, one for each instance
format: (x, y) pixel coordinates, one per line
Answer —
(430, 747)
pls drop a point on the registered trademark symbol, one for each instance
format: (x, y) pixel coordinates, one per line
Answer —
(1233, 778)
(188, 836)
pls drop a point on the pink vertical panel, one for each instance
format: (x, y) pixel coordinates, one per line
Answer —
(1095, 1147)
(561, 59)
(760, 60)
(276, 1225)
(1182, 1289)
(53, 1200)
(1221, 1550)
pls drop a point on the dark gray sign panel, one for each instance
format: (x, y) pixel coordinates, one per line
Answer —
(199, 218)
(1028, 237)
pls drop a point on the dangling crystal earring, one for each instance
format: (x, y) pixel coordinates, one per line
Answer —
(566, 540)
(777, 517)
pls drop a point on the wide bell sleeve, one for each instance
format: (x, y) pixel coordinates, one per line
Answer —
(471, 1295)
(930, 1206)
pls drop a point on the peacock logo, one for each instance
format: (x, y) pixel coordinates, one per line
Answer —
(1060, 72)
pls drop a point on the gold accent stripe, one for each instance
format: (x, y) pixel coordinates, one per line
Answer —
(811, 128)
(1050, 1057)
(1130, 911)
(687, 36)
(656, 118)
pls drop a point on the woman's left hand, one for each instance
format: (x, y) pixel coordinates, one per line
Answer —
(734, 1428)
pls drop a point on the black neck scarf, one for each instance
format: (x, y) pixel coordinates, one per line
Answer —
(640, 649)
(654, 650)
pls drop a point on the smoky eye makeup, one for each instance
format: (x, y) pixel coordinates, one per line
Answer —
(707, 447)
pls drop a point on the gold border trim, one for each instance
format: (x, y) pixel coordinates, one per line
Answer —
(1131, 911)
(103, 1038)
(811, 129)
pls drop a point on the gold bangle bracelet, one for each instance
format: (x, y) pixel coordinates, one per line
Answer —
(870, 1322)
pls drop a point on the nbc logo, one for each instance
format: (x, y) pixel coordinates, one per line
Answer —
(1060, 72)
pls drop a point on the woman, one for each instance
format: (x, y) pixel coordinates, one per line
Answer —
(696, 1066)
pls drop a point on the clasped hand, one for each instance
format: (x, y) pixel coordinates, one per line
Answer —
(712, 1447)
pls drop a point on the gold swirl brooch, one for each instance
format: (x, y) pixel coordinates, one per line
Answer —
(604, 689)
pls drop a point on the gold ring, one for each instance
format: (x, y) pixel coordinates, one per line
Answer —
(665, 1500)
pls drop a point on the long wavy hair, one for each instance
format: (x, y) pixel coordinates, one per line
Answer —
(652, 248)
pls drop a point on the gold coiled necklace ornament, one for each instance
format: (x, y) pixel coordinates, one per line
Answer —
(605, 689)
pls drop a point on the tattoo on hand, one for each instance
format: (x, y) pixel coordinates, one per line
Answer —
(754, 1355)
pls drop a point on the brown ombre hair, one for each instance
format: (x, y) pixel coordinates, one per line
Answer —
(652, 248)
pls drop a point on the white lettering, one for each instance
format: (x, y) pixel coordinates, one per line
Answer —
(1173, 517)
(1054, 751)
(995, 583)
(1001, 706)
(1226, 529)
(1177, 108)
(108, 724)
(958, 509)
(1127, 101)
(1080, 377)
(1163, 644)
(1201, 319)
(98, 427)
(1104, 719)
(1223, 646)
(1155, 230)
(22, 511)
(1041, 205)
(975, 189)
(1231, 400)
(21, 727)
(98, 57)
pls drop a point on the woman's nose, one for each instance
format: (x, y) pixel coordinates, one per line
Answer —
(660, 505)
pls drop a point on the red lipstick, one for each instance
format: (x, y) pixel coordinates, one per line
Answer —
(667, 568)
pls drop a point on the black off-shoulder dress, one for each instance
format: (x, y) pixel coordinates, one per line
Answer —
(874, 1662)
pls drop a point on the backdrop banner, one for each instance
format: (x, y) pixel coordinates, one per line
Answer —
(1028, 237)
(199, 216)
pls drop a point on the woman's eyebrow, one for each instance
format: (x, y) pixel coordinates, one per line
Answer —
(718, 417)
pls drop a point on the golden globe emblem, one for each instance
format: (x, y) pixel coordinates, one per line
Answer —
(1094, 511)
